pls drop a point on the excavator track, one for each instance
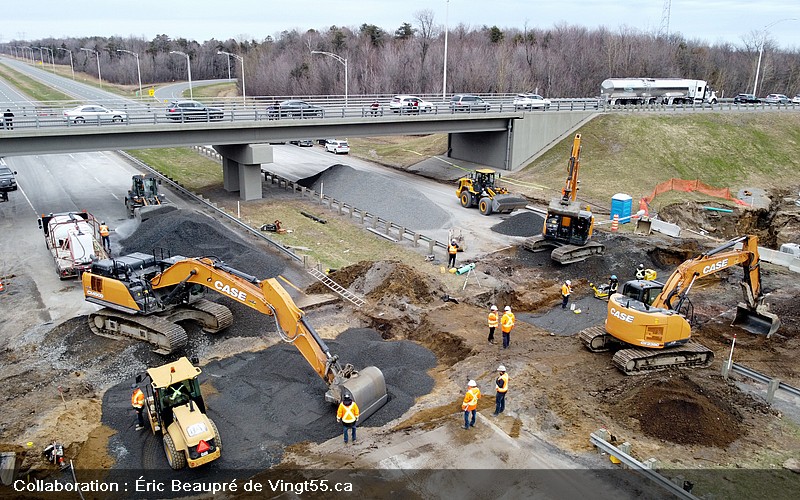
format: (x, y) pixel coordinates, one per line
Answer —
(596, 339)
(163, 334)
(212, 316)
(569, 254)
(636, 360)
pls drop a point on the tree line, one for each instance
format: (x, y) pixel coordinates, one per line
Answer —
(562, 61)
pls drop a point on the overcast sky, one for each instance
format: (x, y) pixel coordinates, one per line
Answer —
(709, 20)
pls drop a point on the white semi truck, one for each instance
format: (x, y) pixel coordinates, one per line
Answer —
(669, 91)
(73, 239)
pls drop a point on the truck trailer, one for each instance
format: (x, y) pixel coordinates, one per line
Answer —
(643, 91)
(73, 239)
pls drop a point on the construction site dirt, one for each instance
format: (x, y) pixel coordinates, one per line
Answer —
(429, 338)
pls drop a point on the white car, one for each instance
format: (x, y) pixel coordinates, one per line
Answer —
(409, 104)
(530, 101)
(796, 99)
(92, 113)
(335, 146)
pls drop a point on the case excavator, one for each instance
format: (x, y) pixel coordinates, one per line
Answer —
(649, 322)
(480, 189)
(144, 298)
(568, 227)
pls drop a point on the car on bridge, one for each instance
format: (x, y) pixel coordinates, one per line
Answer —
(468, 103)
(746, 99)
(409, 104)
(94, 113)
(294, 108)
(796, 99)
(776, 99)
(335, 146)
(530, 101)
(185, 110)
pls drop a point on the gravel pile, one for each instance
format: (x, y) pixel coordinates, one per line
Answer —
(525, 223)
(381, 195)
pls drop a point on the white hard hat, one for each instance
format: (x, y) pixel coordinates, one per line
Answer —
(494, 308)
(568, 282)
(501, 368)
(507, 308)
(472, 383)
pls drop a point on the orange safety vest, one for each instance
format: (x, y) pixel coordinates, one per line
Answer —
(504, 378)
(565, 290)
(137, 398)
(103, 230)
(471, 399)
(452, 249)
(347, 414)
(493, 319)
(507, 322)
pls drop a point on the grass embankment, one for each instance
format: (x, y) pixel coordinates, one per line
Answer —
(623, 153)
(398, 151)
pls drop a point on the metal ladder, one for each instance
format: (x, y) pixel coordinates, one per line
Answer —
(337, 288)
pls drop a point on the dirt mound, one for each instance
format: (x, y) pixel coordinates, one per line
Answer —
(676, 409)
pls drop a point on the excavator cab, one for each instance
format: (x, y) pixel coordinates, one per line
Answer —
(642, 290)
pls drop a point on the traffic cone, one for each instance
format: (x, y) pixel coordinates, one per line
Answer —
(615, 223)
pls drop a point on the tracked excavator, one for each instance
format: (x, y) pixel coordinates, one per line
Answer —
(568, 227)
(649, 322)
(480, 189)
(144, 298)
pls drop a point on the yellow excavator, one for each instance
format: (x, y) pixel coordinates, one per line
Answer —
(648, 322)
(144, 297)
(568, 226)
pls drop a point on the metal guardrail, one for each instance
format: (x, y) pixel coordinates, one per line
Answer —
(748, 372)
(641, 468)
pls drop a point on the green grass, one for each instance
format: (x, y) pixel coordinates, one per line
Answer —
(191, 169)
(211, 91)
(30, 87)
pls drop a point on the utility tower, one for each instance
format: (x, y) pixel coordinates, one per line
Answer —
(663, 30)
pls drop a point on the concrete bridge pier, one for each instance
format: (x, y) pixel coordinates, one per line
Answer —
(241, 168)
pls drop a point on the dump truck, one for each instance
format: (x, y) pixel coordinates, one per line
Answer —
(643, 91)
(479, 189)
(73, 239)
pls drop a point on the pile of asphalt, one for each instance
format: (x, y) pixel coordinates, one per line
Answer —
(378, 194)
(523, 223)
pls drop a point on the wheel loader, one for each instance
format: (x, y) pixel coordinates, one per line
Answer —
(479, 189)
(143, 200)
(145, 297)
(176, 411)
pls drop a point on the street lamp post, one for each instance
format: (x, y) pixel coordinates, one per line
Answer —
(41, 54)
(52, 58)
(241, 60)
(138, 70)
(444, 72)
(25, 55)
(98, 63)
(761, 48)
(188, 69)
(71, 66)
(341, 60)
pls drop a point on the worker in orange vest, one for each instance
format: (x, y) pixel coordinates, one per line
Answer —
(104, 231)
(502, 389)
(470, 404)
(137, 401)
(566, 290)
(493, 321)
(506, 325)
(452, 250)
(348, 415)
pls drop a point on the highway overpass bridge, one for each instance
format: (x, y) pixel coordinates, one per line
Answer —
(504, 140)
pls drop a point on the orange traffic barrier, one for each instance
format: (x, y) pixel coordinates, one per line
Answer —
(615, 223)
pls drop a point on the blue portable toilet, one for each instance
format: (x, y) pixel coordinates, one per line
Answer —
(621, 205)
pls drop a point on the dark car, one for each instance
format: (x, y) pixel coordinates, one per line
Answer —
(469, 103)
(7, 180)
(185, 110)
(303, 142)
(746, 98)
(294, 108)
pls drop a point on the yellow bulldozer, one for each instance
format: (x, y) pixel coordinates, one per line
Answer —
(480, 189)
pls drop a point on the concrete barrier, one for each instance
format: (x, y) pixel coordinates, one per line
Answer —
(665, 228)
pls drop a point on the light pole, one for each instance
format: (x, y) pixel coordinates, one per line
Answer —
(188, 69)
(761, 48)
(341, 60)
(52, 58)
(444, 72)
(241, 60)
(71, 66)
(138, 70)
(25, 55)
(41, 54)
(98, 63)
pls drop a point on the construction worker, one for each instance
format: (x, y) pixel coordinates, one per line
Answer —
(137, 401)
(348, 415)
(566, 290)
(452, 250)
(506, 325)
(613, 284)
(502, 389)
(493, 322)
(104, 231)
(470, 404)
(640, 272)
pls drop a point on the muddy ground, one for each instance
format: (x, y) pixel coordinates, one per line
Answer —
(560, 392)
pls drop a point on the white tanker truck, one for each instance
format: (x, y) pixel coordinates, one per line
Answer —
(667, 91)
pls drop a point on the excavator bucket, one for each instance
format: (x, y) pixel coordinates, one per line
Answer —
(759, 321)
(368, 389)
(505, 203)
(150, 211)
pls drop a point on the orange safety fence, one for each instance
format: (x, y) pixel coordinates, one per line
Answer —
(687, 186)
